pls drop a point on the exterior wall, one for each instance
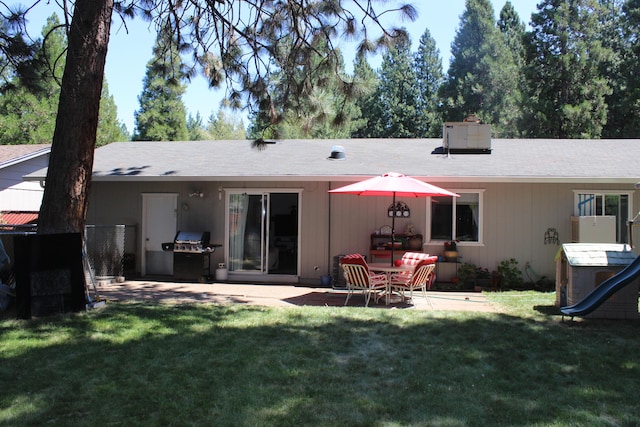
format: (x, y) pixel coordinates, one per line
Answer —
(515, 218)
(121, 203)
(19, 195)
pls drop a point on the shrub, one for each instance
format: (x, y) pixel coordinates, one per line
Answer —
(510, 274)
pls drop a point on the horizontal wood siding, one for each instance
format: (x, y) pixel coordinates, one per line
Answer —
(17, 194)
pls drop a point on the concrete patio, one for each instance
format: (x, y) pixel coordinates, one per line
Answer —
(280, 296)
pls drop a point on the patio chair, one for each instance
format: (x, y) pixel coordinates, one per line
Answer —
(414, 259)
(422, 278)
(360, 279)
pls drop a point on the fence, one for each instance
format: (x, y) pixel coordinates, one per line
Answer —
(105, 250)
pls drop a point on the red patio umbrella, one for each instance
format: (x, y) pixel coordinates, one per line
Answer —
(393, 184)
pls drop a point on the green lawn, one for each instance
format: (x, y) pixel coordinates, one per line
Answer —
(159, 365)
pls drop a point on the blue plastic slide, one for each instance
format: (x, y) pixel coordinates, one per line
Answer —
(607, 288)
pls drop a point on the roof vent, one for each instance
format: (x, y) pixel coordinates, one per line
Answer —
(337, 153)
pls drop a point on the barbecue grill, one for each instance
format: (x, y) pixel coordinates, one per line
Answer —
(190, 251)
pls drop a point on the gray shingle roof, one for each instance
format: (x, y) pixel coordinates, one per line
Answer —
(10, 154)
(539, 160)
(597, 254)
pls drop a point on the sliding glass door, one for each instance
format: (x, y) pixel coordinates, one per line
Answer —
(263, 232)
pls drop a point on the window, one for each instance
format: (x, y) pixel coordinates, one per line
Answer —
(588, 203)
(457, 218)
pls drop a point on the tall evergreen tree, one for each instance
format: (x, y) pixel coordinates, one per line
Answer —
(18, 55)
(366, 79)
(482, 77)
(621, 34)
(28, 111)
(398, 94)
(566, 56)
(162, 115)
(515, 101)
(429, 75)
(195, 128)
(225, 125)
(110, 129)
(325, 109)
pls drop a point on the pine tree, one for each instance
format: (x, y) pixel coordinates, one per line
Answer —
(225, 125)
(110, 129)
(365, 78)
(324, 109)
(512, 113)
(566, 56)
(162, 115)
(195, 128)
(621, 34)
(482, 76)
(18, 55)
(398, 94)
(28, 112)
(429, 75)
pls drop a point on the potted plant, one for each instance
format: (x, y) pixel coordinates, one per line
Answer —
(451, 251)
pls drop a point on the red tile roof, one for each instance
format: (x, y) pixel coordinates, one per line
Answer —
(18, 217)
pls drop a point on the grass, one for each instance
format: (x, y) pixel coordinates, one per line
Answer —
(146, 364)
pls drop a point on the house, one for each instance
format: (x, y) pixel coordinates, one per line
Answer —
(20, 200)
(270, 210)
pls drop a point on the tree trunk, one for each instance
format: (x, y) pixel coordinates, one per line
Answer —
(66, 194)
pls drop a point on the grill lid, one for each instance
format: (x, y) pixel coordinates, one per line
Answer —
(192, 237)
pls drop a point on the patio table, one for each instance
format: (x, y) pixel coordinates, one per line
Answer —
(388, 270)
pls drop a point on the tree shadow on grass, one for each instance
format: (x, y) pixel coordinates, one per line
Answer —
(548, 310)
(157, 364)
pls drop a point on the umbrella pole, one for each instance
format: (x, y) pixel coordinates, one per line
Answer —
(393, 228)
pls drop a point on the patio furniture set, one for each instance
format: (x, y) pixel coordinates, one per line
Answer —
(415, 271)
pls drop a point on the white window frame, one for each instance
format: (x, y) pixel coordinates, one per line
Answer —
(576, 193)
(480, 241)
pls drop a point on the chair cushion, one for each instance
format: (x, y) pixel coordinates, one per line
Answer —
(354, 259)
(432, 277)
(427, 261)
(414, 258)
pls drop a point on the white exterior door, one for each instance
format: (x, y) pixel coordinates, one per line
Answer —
(159, 225)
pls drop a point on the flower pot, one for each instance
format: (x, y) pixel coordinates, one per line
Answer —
(325, 280)
(451, 256)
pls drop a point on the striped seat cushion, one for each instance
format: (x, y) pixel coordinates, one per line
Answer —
(415, 258)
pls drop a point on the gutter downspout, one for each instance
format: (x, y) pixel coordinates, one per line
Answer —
(329, 259)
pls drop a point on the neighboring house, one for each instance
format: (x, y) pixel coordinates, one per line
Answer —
(20, 200)
(270, 210)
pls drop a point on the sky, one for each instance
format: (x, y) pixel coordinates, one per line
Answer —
(130, 50)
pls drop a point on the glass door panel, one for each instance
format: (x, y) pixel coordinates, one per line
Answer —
(246, 232)
(263, 232)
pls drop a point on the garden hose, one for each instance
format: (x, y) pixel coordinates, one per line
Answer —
(527, 267)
